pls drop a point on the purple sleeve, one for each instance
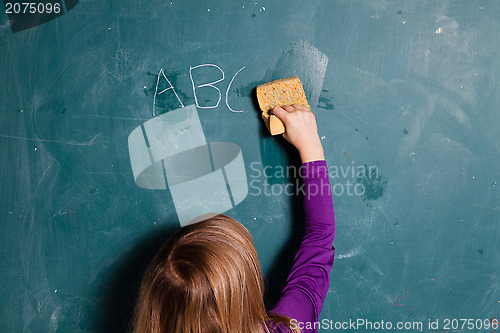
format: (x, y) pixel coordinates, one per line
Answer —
(307, 284)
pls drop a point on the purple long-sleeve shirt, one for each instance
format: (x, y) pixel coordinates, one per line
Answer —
(307, 284)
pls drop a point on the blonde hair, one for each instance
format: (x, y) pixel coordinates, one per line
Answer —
(205, 278)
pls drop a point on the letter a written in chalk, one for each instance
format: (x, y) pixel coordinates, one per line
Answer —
(163, 86)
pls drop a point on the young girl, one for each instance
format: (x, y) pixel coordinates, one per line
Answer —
(207, 278)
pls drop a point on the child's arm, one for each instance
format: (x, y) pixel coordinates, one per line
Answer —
(309, 278)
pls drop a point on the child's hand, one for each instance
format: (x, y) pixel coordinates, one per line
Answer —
(301, 131)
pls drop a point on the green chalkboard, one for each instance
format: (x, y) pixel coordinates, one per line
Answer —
(121, 120)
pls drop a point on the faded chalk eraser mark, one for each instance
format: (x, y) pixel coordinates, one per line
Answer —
(308, 63)
(372, 183)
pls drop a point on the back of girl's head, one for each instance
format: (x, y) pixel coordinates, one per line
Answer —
(206, 278)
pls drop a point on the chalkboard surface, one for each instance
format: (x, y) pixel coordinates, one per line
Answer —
(406, 94)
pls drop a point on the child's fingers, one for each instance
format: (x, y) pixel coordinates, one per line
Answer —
(289, 108)
(301, 107)
(280, 113)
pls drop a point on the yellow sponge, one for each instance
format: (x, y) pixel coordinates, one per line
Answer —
(279, 93)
